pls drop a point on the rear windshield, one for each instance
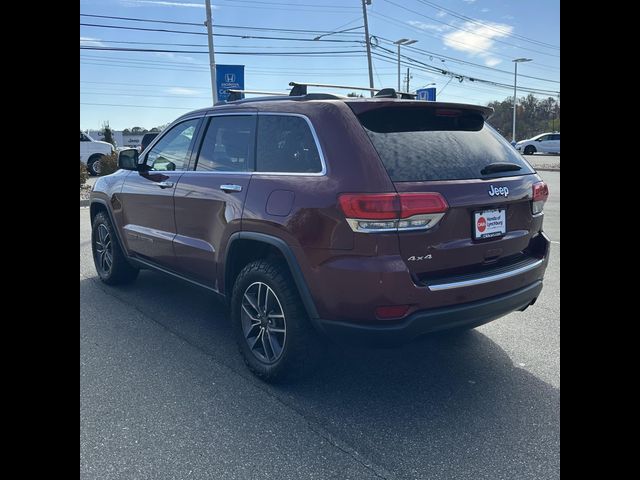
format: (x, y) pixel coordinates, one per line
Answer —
(421, 144)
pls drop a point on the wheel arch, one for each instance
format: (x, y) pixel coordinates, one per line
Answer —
(99, 205)
(234, 261)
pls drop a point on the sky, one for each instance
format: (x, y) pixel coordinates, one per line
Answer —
(457, 41)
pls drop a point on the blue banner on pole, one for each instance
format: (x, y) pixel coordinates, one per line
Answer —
(426, 94)
(229, 77)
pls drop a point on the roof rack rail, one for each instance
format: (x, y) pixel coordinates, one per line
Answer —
(236, 94)
(300, 88)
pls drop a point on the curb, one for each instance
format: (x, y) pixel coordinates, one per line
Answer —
(84, 203)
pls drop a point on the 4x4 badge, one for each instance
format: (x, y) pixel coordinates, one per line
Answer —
(493, 191)
(413, 258)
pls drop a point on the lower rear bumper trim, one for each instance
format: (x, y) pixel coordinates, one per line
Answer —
(427, 321)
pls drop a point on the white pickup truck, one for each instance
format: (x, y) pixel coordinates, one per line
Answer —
(91, 151)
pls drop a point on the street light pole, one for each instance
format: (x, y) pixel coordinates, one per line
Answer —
(368, 39)
(515, 94)
(402, 41)
(212, 58)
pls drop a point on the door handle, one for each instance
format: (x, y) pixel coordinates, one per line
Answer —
(228, 188)
(165, 184)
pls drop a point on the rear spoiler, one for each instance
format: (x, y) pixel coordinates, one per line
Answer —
(359, 106)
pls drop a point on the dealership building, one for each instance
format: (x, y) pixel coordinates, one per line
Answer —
(122, 140)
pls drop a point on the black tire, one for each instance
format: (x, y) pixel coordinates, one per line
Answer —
(530, 150)
(109, 259)
(301, 347)
(93, 165)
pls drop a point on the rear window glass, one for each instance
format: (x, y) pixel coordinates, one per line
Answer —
(421, 144)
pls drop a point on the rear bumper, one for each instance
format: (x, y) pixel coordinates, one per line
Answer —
(427, 321)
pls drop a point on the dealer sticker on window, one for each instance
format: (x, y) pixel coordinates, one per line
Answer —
(490, 223)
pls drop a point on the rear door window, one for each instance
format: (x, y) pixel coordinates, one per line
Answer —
(422, 144)
(228, 144)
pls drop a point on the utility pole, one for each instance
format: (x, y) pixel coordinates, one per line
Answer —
(408, 78)
(212, 58)
(368, 39)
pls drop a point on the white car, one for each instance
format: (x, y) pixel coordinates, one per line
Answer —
(91, 151)
(543, 143)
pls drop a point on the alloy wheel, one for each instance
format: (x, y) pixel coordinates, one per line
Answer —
(263, 322)
(104, 249)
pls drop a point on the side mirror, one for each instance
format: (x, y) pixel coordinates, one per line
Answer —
(128, 159)
(539, 140)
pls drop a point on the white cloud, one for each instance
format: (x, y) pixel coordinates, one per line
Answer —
(173, 56)
(492, 61)
(91, 42)
(427, 26)
(476, 39)
(182, 91)
(168, 4)
(441, 13)
(485, 10)
(469, 1)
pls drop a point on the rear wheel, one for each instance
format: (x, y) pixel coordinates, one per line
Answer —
(109, 259)
(93, 165)
(271, 326)
(529, 150)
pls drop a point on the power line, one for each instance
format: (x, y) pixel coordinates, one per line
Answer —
(288, 4)
(423, 32)
(216, 25)
(184, 97)
(140, 84)
(469, 31)
(293, 54)
(164, 30)
(429, 68)
(288, 7)
(138, 106)
(189, 44)
(473, 20)
(455, 60)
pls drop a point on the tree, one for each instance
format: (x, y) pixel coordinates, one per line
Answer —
(354, 94)
(108, 133)
(534, 116)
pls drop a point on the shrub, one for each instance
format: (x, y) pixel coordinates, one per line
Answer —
(83, 174)
(109, 164)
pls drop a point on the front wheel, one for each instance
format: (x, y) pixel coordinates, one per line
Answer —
(272, 329)
(93, 165)
(109, 259)
(529, 150)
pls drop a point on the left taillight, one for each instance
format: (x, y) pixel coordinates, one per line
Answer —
(386, 212)
(540, 195)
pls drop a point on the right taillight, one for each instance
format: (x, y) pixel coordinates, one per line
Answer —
(540, 195)
(387, 212)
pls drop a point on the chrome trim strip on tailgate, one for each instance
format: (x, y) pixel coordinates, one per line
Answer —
(487, 279)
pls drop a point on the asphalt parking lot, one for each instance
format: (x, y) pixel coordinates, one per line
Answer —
(164, 394)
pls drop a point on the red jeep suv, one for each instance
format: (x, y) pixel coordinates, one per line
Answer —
(315, 215)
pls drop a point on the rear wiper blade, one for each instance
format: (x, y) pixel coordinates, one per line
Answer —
(500, 167)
